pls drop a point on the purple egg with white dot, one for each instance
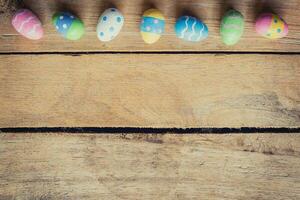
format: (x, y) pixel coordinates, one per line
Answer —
(110, 24)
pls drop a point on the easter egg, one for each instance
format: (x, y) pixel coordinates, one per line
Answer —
(271, 26)
(68, 25)
(28, 24)
(110, 24)
(152, 26)
(232, 27)
(191, 29)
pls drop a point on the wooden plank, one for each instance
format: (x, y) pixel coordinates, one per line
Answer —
(66, 166)
(152, 90)
(209, 11)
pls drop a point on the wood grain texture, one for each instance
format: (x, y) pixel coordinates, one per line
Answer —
(138, 90)
(65, 166)
(130, 40)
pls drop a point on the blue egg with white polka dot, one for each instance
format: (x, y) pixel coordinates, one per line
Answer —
(68, 25)
(110, 24)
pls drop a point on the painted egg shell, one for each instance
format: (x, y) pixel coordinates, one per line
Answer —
(152, 26)
(69, 26)
(232, 27)
(27, 24)
(191, 29)
(110, 24)
(271, 26)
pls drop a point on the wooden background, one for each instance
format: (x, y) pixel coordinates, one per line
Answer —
(126, 83)
(66, 166)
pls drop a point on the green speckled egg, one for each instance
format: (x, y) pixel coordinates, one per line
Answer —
(232, 27)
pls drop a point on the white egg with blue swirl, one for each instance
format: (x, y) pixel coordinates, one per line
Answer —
(191, 29)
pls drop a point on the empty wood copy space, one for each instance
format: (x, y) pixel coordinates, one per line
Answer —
(126, 83)
(161, 90)
(65, 166)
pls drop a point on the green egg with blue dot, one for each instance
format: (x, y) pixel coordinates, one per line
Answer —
(68, 25)
(232, 27)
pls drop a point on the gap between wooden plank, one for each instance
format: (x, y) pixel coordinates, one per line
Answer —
(78, 53)
(137, 130)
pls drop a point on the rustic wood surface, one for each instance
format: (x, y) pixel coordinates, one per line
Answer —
(66, 166)
(59, 88)
(130, 40)
(137, 90)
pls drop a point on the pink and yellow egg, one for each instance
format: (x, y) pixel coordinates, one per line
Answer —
(271, 26)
